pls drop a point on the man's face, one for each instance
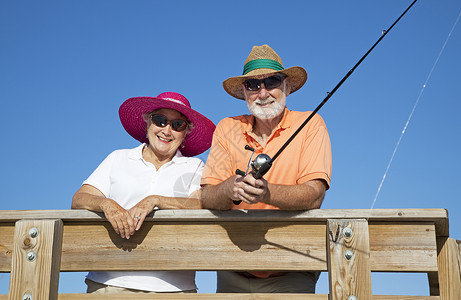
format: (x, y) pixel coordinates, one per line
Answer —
(266, 95)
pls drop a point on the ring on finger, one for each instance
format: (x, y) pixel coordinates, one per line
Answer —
(138, 217)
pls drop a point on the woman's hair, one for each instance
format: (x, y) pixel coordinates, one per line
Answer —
(147, 118)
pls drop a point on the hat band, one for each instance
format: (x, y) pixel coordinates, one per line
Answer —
(261, 64)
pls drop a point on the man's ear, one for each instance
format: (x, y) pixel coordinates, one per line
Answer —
(287, 86)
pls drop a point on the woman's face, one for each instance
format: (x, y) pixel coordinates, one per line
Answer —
(164, 141)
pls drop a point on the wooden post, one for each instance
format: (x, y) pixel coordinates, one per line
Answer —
(449, 273)
(36, 260)
(459, 258)
(348, 251)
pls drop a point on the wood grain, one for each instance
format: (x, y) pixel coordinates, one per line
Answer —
(348, 275)
(38, 277)
(449, 274)
(395, 247)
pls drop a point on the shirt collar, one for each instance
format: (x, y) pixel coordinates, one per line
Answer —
(136, 154)
(283, 124)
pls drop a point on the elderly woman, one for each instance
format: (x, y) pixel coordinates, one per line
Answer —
(158, 174)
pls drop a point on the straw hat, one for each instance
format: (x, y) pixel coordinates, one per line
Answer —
(261, 61)
(131, 114)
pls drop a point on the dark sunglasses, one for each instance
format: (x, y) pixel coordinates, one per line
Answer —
(271, 82)
(162, 121)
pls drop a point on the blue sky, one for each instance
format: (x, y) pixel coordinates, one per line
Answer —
(66, 66)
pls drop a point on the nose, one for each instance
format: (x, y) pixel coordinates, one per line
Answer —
(167, 130)
(263, 93)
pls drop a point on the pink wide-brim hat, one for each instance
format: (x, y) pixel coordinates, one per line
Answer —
(131, 114)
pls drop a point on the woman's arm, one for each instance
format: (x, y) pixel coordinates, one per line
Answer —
(144, 207)
(90, 198)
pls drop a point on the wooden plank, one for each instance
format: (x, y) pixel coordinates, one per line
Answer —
(459, 256)
(200, 246)
(299, 246)
(224, 297)
(236, 296)
(36, 259)
(395, 247)
(449, 274)
(436, 215)
(6, 246)
(348, 251)
(402, 247)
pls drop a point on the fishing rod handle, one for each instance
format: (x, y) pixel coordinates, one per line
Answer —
(258, 175)
(241, 173)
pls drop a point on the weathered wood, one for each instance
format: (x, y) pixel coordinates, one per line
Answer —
(200, 246)
(186, 296)
(348, 251)
(459, 256)
(232, 296)
(449, 274)
(6, 246)
(395, 247)
(296, 246)
(36, 259)
(400, 240)
(237, 297)
(224, 297)
(402, 247)
(436, 215)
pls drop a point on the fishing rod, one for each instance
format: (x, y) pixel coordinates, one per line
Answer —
(263, 162)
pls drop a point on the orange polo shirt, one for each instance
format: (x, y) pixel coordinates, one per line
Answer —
(307, 157)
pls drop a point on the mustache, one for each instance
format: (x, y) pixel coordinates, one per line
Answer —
(265, 101)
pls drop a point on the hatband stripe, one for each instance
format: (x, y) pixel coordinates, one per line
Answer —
(261, 64)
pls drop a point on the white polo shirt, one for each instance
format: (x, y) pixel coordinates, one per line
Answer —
(127, 178)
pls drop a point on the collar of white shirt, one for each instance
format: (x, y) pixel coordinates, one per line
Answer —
(136, 153)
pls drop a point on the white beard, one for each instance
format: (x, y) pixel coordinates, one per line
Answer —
(268, 112)
(272, 110)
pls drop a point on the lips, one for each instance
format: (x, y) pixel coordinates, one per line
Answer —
(264, 104)
(164, 139)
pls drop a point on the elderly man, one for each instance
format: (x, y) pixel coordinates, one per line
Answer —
(298, 178)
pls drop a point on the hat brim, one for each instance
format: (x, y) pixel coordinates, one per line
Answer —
(234, 85)
(197, 141)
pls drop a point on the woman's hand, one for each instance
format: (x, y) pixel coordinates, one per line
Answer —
(120, 219)
(89, 197)
(142, 209)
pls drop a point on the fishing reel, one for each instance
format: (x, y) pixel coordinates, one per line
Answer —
(259, 167)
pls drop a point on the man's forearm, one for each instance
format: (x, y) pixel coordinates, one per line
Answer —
(177, 202)
(308, 195)
(215, 197)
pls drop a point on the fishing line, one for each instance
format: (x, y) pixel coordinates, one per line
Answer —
(412, 111)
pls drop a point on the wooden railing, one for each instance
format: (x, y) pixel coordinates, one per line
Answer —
(348, 244)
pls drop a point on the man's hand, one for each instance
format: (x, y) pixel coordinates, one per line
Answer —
(250, 190)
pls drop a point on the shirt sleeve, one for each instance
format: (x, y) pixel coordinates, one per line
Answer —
(195, 183)
(100, 178)
(218, 165)
(316, 160)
